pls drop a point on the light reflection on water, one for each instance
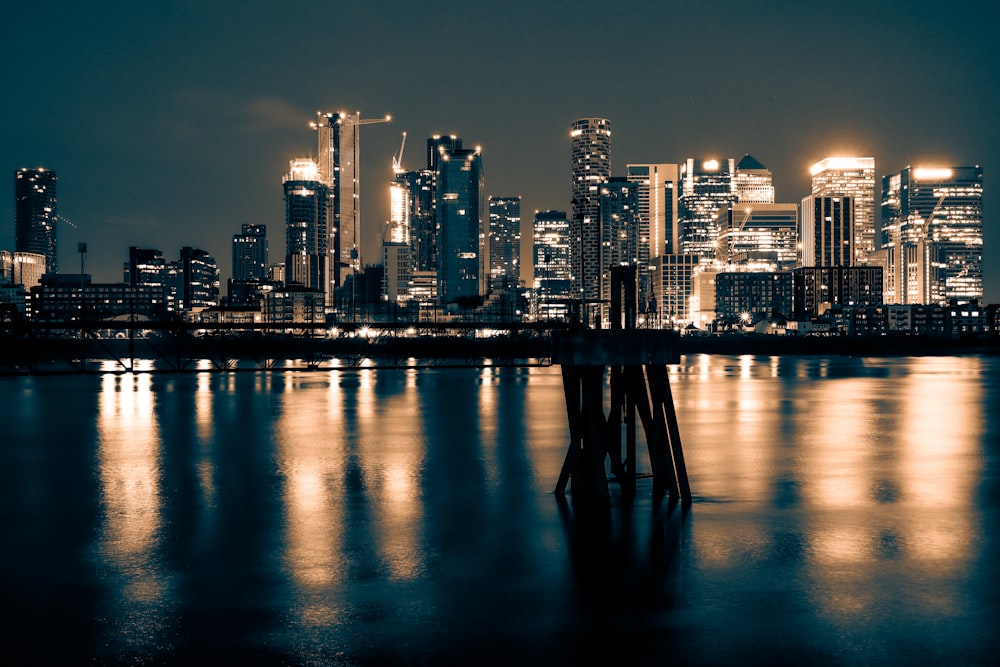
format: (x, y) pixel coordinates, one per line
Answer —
(844, 512)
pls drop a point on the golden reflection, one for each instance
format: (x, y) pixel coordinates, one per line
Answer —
(203, 406)
(128, 460)
(836, 444)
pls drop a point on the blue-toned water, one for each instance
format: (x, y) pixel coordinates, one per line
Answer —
(846, 512)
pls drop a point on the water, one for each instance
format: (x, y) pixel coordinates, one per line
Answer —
(845, 512)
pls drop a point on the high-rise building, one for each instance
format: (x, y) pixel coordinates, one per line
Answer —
(199, 279)
(337, 164)
(656, 218)
(397, 264)
(816, 289)
(35, 214)
(461, 235)
(753, 181)
(852, 177)
(827, 231)
(250, 253)
(590, 169)
(932, 232)
(307, 218)
(674, 288)
(762, 237)
(619, 238)
(707, 185)
(505, 242)
(552, 282)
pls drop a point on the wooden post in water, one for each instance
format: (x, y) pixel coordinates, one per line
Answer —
(639, 386)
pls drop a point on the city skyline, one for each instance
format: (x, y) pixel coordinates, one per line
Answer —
(172, 126)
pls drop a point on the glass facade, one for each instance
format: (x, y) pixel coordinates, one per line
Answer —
(307, 215)
(706, 187)
(590, 169)
(852, 177)
(461, 264)
(35, 214)
(505, 242)
(932, 231)
(827, 231)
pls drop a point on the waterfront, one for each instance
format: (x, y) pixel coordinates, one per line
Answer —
(845, 513)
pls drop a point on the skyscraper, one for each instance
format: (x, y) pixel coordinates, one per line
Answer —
(932, 231)
(590, 169)
(338, 157)
(707, 185)
(754, 183)
(307, 213)
(827, 231)
(656, 218)
(200, 274)
(461, 236)
(552, 272)
(35, 214)
(505, 242)
(619, 236)
(852, 177)
(250, 253)
(759, 237)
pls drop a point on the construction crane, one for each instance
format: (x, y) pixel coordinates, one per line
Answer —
(397, 159)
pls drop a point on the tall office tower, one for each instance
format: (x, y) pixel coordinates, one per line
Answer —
(932, 230)
(619, 237)
(35, 214)
(827, 231)
(754, 184)
(706, 186)
(307, 219)
(199, 279)
(338, 157)
(656, 218)
(759, 237)
(852, 177)
(552, 280)
(250, 253)
(400, 209)
(505, 242)
(461, 237)
(591, 168)
(397, 264)
(674, 288)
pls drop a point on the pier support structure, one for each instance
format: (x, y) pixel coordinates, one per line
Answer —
(635, 361)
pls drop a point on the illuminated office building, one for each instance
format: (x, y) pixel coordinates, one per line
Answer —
(199, 274)
(707, 185)
(673, 289)
(827, 231)
(656, 217)
(307, 217)
(761, 237)
(552, 283)
(932, 232)
(619, 237)
(35, 214)
(852, 177)
(590, 169)
(338, 169)
(505, 242)
(461, 237)
(753, 181)
(250, 253)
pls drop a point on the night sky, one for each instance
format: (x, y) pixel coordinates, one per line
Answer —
(172, 123)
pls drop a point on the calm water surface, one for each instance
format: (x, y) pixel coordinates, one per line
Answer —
(846, 512)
